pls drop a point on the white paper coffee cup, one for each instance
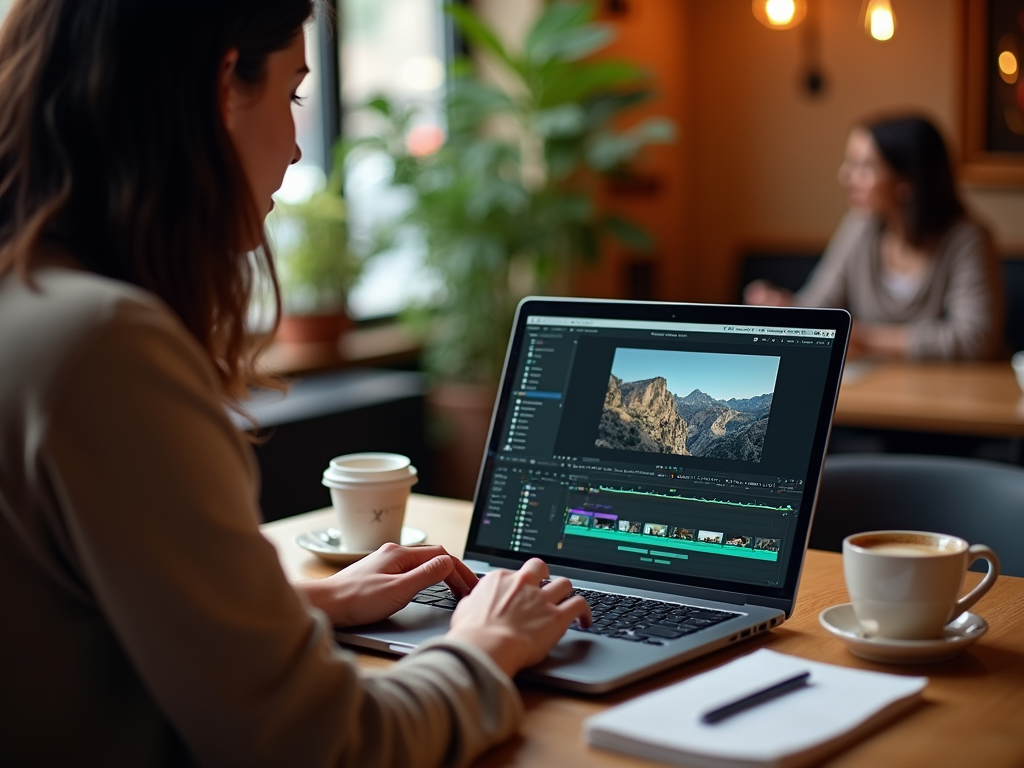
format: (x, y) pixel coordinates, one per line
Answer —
(369, 492)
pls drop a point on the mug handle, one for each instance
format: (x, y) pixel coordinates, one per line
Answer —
(978, 552)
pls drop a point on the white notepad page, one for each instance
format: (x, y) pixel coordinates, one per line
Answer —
(836, 706)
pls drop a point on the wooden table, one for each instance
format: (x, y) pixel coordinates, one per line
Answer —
(973, 713)
(950, 398)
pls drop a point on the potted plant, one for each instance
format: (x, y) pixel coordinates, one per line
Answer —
(317, 266)
(508, 202)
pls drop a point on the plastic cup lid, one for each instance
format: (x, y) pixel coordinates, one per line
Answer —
(369, 468)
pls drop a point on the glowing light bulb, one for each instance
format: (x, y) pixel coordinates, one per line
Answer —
(879, 20)
(780, 12)
(1008, 67)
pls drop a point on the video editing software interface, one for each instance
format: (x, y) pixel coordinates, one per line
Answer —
(659, 446)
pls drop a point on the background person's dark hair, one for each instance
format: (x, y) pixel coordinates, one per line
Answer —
(914, 149)
(113, 147)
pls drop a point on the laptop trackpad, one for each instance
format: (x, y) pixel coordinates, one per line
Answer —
(410, 627)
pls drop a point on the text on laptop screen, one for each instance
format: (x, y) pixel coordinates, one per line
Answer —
(660, 446)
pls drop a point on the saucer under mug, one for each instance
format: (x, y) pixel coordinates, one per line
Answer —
(326, 544)
(959, 634)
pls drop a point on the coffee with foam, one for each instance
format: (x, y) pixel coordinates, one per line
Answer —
(909, 544)
(905, 550)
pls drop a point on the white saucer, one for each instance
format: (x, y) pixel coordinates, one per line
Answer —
(325, 543)
(959, 634)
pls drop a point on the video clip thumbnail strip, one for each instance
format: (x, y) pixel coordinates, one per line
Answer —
(672, 541)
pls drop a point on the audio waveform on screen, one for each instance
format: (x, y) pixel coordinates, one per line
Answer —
(699, 499)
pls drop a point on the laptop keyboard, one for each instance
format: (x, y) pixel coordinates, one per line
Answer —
(623, 617)
(438, 596)
(643, 620)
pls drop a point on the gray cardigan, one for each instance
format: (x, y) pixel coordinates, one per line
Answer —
(957, 313)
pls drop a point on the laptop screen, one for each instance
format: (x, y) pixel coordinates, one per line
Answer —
(679, 447)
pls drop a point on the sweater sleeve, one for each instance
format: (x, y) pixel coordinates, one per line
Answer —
(971, 324)
(828, 283)
(158, 495)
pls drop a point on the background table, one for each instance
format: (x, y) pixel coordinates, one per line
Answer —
(950, 398)
(973, 710)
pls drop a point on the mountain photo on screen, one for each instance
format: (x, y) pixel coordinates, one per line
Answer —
(688, 403)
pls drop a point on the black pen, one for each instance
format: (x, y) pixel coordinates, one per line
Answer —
(755, 698)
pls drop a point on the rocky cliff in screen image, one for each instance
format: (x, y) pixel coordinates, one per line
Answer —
(645, 416)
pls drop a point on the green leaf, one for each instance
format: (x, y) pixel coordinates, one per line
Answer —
(608, 151)
(478, 33)
(655, 130)
(575, 45)
(563, 156)
(601, 109)
(380, 104)
(587, 244)
(577, 83)
(480, 99)
(557, 19)
(628, 233)
(462, 67)
(561, 121)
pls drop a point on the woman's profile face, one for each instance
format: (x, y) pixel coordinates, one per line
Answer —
(870, 184)
(260, 122)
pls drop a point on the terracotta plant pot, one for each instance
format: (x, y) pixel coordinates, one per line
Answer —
(313, 328)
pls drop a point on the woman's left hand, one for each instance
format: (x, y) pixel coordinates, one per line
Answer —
(384, 582)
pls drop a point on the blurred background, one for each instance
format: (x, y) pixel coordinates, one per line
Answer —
(691, 146)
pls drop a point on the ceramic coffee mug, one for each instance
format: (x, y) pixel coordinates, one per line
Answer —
(369, 492)
(905, 585)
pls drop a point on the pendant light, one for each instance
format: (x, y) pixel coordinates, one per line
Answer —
(879, 20)
(779, 14)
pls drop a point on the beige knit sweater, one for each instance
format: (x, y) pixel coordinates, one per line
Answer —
(145, 619)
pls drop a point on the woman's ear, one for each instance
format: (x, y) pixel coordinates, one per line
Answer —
(904, 191)
(227, 88)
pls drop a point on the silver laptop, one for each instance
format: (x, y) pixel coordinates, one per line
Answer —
(665, 457)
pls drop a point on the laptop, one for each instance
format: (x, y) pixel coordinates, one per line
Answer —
(665, 458)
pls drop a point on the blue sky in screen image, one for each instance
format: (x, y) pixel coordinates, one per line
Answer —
(721, 376)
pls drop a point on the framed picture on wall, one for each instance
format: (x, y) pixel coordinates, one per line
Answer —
(992, 93)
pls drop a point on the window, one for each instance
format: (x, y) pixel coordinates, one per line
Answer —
(395, 48)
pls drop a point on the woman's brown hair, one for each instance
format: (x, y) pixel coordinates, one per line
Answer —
(113, 149)
(914, 149)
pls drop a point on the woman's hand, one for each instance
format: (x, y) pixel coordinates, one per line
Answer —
(877, 340)
(516, 617)
(384, 582)
(763, 293)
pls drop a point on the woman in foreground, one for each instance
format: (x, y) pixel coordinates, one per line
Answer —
(146, 620)
(919, 277)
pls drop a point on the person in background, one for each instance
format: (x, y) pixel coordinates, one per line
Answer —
(146, 621)
(919, 277)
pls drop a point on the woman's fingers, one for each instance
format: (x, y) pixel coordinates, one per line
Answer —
(462, 579)
(558, 589)
(576, 609)
(535, 570)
